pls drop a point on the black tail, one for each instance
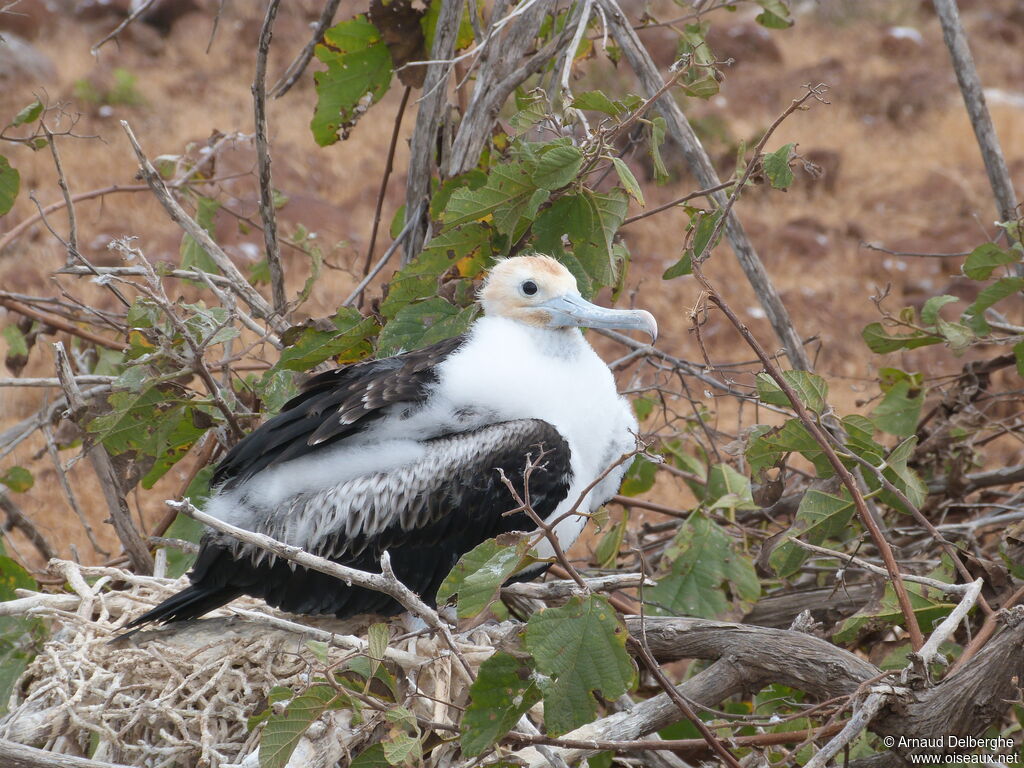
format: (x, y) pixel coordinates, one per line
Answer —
(190, 603)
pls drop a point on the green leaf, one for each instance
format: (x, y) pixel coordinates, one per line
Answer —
(880, 342)
(598, 101)
(16, 344)
(581, 646)
(775, 14)
(10, 182)
(768, 444)
(479, 574)
(657, 138)
(425, 322)
(503, 691)
(776, 167)
(628, 180)
(899, 410)
(377, 639)
(728, 489)
(348, 342)
(974, 315)
(507, 197)
(358, 75)
(18, 479)
(275, 388)
(985, 258)
(810, 388)
(557, 167)
(28, 114)
(371, 757)
(701, 227)
(958, 336)
(1018, 354)
(930, 310)
(607, 551)
(402, 749)
(886, 613)
(590, 221)
(466, 248)
(639, 477)
(820, 516)
(283, 732)
(906, 479)
(193, 255)
(703, 560)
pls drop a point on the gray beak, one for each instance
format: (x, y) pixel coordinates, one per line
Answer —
(575, 311)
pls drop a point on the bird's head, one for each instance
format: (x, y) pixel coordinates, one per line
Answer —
(540, 292)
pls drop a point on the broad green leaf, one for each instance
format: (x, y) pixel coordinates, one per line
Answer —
(507, 197)
(503, 691)
(348, 342)
(820, 516)
(598, 101)
(775, 14)
(371, 757)
(628, 180)
(701, 227)
(275, 388)
(906, 479)
(557, 167)
(776, 167)
(928, 608)
(358, 75)
(728, 489)
(699, 79)
(899, 410)
(282, 732)
(20, 638)
(581, 647)
(377, 639)
(987, 257)
(18, 479)
(880, 342)
(639, 477)
(930, 310)
(657, 138)
(768, 444)
(958, 336)
(810, 388)
(703, 561)
(607, 551)
(28, 114)
(590, 220)
(10, 182)
(16, 344)
(974, 315)
(425, 322)
(861, 433)
(402, 749)
(527, 117)
(193, 255)
(1018, 354)
(466, 248)
(479, 574)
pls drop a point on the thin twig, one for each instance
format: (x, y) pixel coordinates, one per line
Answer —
(297, 67)
(18, 519)
(974, 99)
(267, 212)
(141, 9)
(410, 224)
(929, 652)
(388, 166)
(861, 719)
(679, 201)
(120, 515)
(61, 324)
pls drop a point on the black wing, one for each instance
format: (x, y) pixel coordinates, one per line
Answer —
(332, 406)
(463, 507)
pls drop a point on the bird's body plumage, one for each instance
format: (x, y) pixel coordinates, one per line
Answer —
(406, 454)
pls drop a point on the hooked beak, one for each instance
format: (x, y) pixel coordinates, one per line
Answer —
(575, 311)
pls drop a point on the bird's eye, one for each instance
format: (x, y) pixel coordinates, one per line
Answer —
(529, 287)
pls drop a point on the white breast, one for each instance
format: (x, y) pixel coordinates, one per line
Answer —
(519, 372)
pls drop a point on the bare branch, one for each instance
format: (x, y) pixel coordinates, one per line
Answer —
(120, 515)
(267, 212)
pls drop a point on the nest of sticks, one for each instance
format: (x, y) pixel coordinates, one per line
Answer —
(185, 695)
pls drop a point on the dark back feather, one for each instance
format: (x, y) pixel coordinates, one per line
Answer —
(332, 406)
